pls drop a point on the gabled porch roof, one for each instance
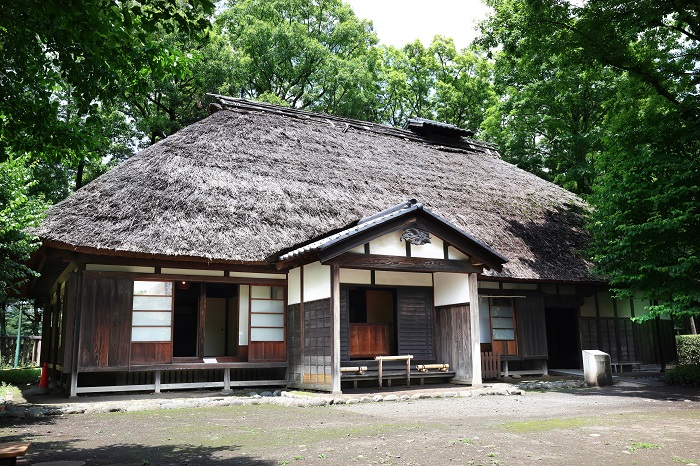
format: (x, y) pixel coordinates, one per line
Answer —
(409, 214)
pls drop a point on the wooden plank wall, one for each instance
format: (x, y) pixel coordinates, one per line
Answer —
(453, 339)
(294, 344)
(317, 342)
(71, 304)
(415, 322)
(344, 323)
(105, 322)
(531, 327)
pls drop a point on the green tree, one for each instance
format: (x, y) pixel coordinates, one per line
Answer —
(435, 82)
(634, 64)
(18, 211)
(62, 61)
(315, 55)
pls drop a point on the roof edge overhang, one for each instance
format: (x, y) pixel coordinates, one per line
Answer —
(86, 254)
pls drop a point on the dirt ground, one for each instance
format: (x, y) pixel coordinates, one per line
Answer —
(590, 426)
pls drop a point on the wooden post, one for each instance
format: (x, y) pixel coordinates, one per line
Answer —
(335, 328)
(202, 314)
(408, 368)
(474, 329)
(157, 381)
(380, 373)
(227, 378)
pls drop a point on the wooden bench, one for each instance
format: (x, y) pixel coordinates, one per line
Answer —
(359, 370)
(620, 365)
(427, 367)
(10, 451)
(381, 359)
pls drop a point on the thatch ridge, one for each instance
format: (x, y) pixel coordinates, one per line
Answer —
(243, 184)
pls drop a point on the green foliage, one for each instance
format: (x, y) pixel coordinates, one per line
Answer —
(435, 82)
(688, 348)
(20, 377)
(604, 98)
(315, 55)
(687, 374)
(17, 212)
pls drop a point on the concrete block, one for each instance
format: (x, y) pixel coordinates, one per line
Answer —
(596, 368)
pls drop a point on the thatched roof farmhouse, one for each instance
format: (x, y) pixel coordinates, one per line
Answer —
(284, 247)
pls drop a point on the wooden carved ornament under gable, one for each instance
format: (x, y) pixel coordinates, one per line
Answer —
(415, 236)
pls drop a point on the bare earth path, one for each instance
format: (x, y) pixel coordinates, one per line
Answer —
(616, 425)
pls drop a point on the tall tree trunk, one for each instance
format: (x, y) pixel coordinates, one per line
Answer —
(693, 330)
(79, 174)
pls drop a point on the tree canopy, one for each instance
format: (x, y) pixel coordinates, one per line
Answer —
(602, 97)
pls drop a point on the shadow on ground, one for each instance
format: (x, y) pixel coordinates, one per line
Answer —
(67, 449)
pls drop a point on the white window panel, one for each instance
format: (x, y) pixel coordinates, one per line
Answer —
(153, 303)
(153, 288)
(503, 334)
(266, 334)
(150, 334)
(152, 318)
(267, 320)
(257, 305)
(502, 322)
(261, 292)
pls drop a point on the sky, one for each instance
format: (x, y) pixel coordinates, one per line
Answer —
(398, 22)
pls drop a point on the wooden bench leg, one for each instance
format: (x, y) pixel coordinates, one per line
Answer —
(408, 372)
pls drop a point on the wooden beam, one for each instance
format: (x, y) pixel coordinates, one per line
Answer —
(350, 260)
(335, 328)
(474, 329)
(202, 317)
(189, 278)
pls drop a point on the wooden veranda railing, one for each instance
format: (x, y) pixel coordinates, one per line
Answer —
(29, 350)
(490, 365)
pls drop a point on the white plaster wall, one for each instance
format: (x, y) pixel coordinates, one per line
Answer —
(120, 268)
(484, 320)
(403, 278)
(206, 273)
(456, 254)
(355, 276)
(358, 249)
(317, 282)
(243, 313)
(432, 250)
(294, 286)
(588, 308)
(605, 304)
(450, 288)
(388, 245)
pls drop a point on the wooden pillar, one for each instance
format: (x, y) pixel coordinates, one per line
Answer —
(335, 328)
(75, 351)
(475, 331)
(157, 381)
(202, 313)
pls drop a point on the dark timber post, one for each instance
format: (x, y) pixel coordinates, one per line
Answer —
(335, 328)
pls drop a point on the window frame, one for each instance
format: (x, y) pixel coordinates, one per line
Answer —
(252, 313)
(170, 311)
(511, 317)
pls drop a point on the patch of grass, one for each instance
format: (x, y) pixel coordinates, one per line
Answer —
(642, 445)
(542, 425)
(463, 441)
(677, 459)
(21, 376)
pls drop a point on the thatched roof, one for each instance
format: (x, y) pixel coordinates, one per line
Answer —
(252, 181)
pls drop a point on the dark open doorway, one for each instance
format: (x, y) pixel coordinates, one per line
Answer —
(372, 322)
(562, 338)
(185, 319)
